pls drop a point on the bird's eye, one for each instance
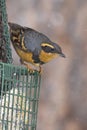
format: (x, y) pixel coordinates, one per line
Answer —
(47, 49)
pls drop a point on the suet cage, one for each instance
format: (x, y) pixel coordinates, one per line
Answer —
(19, 89)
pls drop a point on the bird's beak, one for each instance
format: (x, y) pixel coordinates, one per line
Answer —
(62, 55)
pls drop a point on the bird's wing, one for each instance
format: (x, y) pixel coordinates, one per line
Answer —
(31, 40)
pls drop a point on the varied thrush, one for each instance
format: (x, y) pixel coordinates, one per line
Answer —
(32, 46)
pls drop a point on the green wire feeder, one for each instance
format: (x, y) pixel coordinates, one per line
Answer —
(19, 98)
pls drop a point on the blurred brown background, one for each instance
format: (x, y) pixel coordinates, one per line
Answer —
(63, 97)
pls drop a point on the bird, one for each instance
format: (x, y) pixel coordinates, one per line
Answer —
(33, 46)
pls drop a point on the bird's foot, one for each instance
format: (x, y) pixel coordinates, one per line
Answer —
(30, 70)
(33, 70)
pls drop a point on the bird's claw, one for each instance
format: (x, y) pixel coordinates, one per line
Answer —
(31, 70)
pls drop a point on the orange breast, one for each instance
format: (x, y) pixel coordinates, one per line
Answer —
(25, 56)
(46, 57)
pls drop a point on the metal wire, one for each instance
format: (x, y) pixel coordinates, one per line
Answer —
(19, 99)
(5, 40)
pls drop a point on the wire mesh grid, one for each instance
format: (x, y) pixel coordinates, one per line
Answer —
(5, 36)
(19, 95)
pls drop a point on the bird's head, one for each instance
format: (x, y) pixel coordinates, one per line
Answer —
(50, 51)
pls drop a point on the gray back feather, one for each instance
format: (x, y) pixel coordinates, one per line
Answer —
(33, 39)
